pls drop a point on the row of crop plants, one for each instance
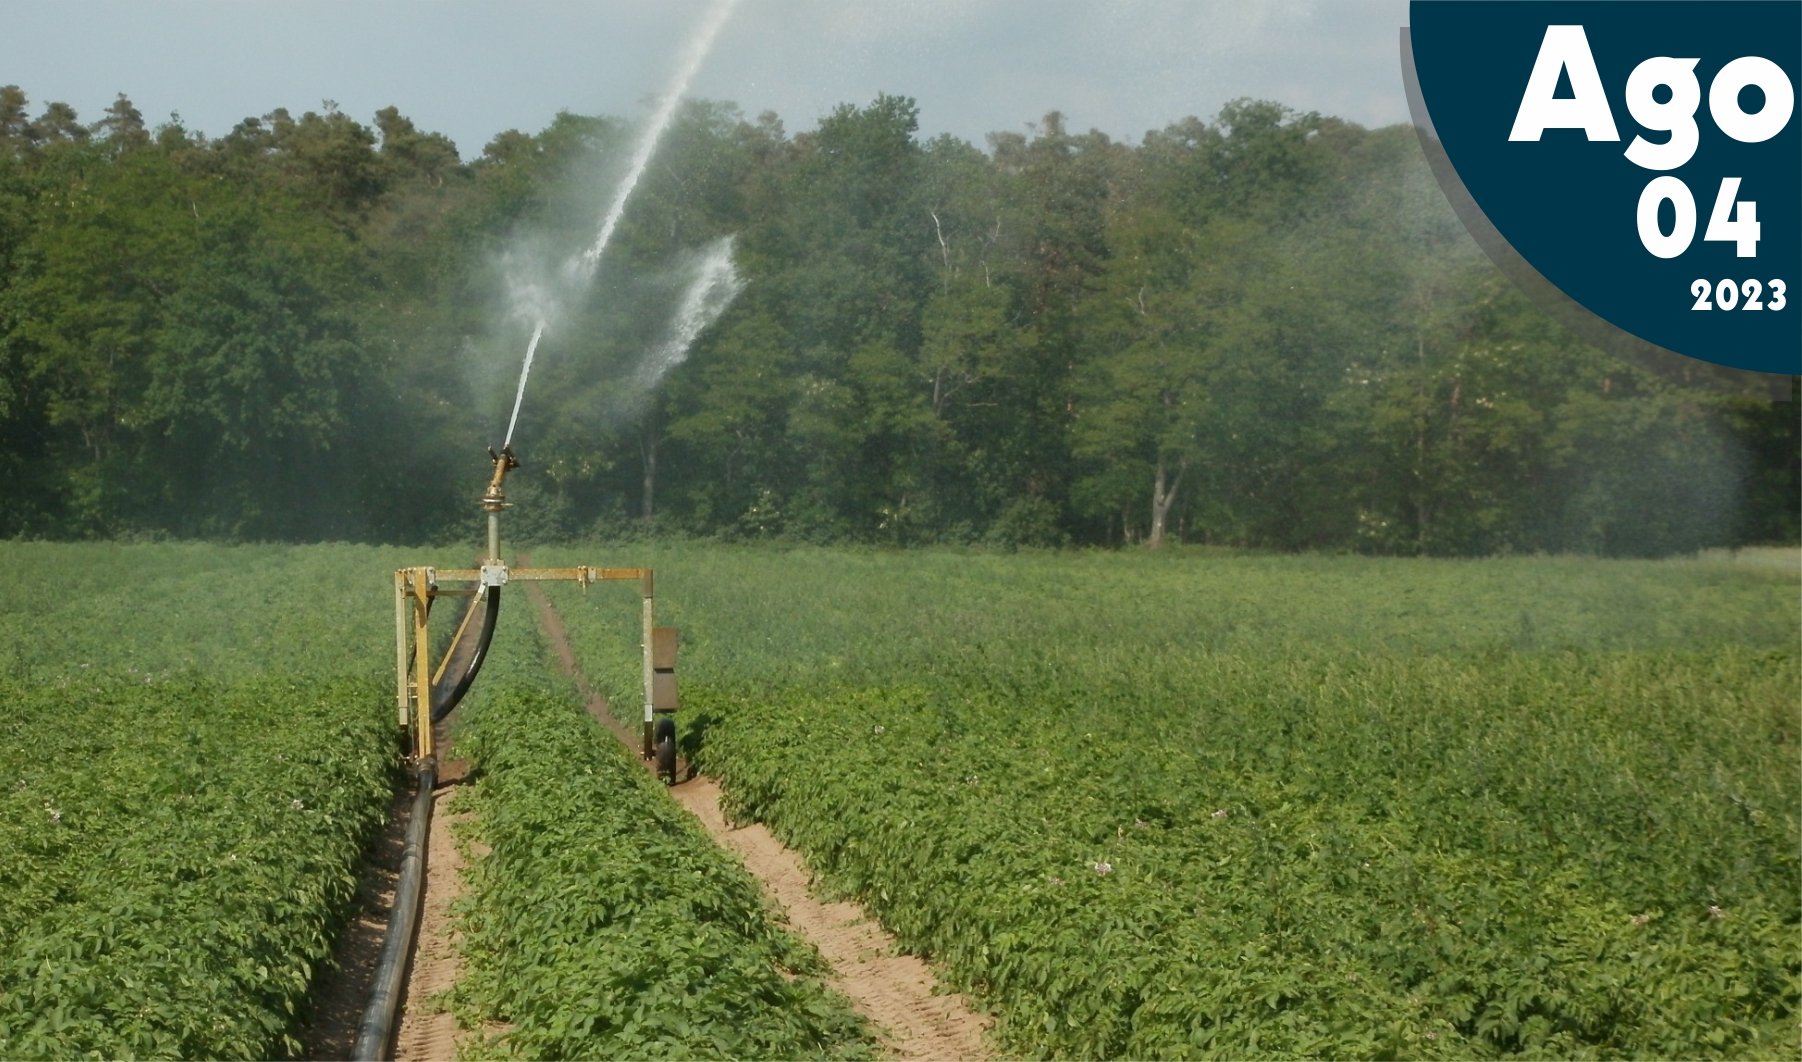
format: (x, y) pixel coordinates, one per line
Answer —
(185, 793)
(175, 858)
(600, 921)
(196, 746)
(1138, 826)
(1355, 859)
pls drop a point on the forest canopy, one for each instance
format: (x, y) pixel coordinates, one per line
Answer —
(1267, 329)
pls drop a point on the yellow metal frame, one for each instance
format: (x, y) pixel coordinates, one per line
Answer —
(416, 588)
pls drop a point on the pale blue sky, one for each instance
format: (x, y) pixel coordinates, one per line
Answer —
(472, 69)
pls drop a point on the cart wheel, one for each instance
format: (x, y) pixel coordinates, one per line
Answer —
(665, 735)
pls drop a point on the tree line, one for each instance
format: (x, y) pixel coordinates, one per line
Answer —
(1267, 329)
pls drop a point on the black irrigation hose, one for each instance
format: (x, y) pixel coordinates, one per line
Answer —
(443, 703)
(376, 1033)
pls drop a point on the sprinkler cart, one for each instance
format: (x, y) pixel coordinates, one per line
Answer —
(425, 695)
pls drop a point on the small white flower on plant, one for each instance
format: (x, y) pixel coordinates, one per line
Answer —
(1220, 814)
(1716, 912)
(297, 805)
(1641, 919)
(55, 816)
(1104, 868)
(880, 728)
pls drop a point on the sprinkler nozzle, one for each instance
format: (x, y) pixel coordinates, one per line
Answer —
(494, 499)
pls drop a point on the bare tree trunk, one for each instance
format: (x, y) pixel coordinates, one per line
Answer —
(1161, 500)
(944, 248)
(1420, 491)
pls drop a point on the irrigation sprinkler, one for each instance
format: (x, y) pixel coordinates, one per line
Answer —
(425, 695)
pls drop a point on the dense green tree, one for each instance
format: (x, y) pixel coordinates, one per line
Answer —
(1267, 329)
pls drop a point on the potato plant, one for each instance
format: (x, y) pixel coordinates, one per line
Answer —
(175, 858)
(1226, 806)
(197, 743)
(603, 922)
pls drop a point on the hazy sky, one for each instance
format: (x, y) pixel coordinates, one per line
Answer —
(473, 69)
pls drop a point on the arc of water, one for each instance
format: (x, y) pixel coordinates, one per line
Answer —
(583, 266)
(698, 48)
(713, 288)
(524, 371)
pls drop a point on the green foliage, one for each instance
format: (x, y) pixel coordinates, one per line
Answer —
(225, 613)
(196, 748)
(187, 347)
(1240, 806)
(603, 922)
(1266, 329)
(178, 853)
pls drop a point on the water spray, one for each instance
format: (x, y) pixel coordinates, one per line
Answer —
(698, 47)
(519, 396)
(579, 270)
(713, 288)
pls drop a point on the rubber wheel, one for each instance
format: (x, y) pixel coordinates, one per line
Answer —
(665, 737)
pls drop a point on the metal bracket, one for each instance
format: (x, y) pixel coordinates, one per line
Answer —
(494, 575)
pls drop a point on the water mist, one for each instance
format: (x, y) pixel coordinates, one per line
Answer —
(713, 288)
(539, 299)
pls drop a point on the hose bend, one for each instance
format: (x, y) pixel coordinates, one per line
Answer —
(445, 700)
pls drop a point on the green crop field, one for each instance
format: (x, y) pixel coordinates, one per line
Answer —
(1181, 805)
(193, 751)
(1210, 805)
(197, 744)
(604, 922)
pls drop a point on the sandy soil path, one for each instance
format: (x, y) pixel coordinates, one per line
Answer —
(428, 1034)
(895, 991)
(898, 993)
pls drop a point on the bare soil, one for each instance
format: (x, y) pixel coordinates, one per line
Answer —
(428, 1033)
(898, 993)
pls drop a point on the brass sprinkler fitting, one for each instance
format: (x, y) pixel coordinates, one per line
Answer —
(494, 499)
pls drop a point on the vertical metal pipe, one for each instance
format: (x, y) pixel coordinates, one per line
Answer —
(422, 671)
(400, 644)
(649, 622)
(494, 537)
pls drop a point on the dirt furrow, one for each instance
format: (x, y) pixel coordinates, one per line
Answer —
(427, 1032)
(343, 991)
(898, 993)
